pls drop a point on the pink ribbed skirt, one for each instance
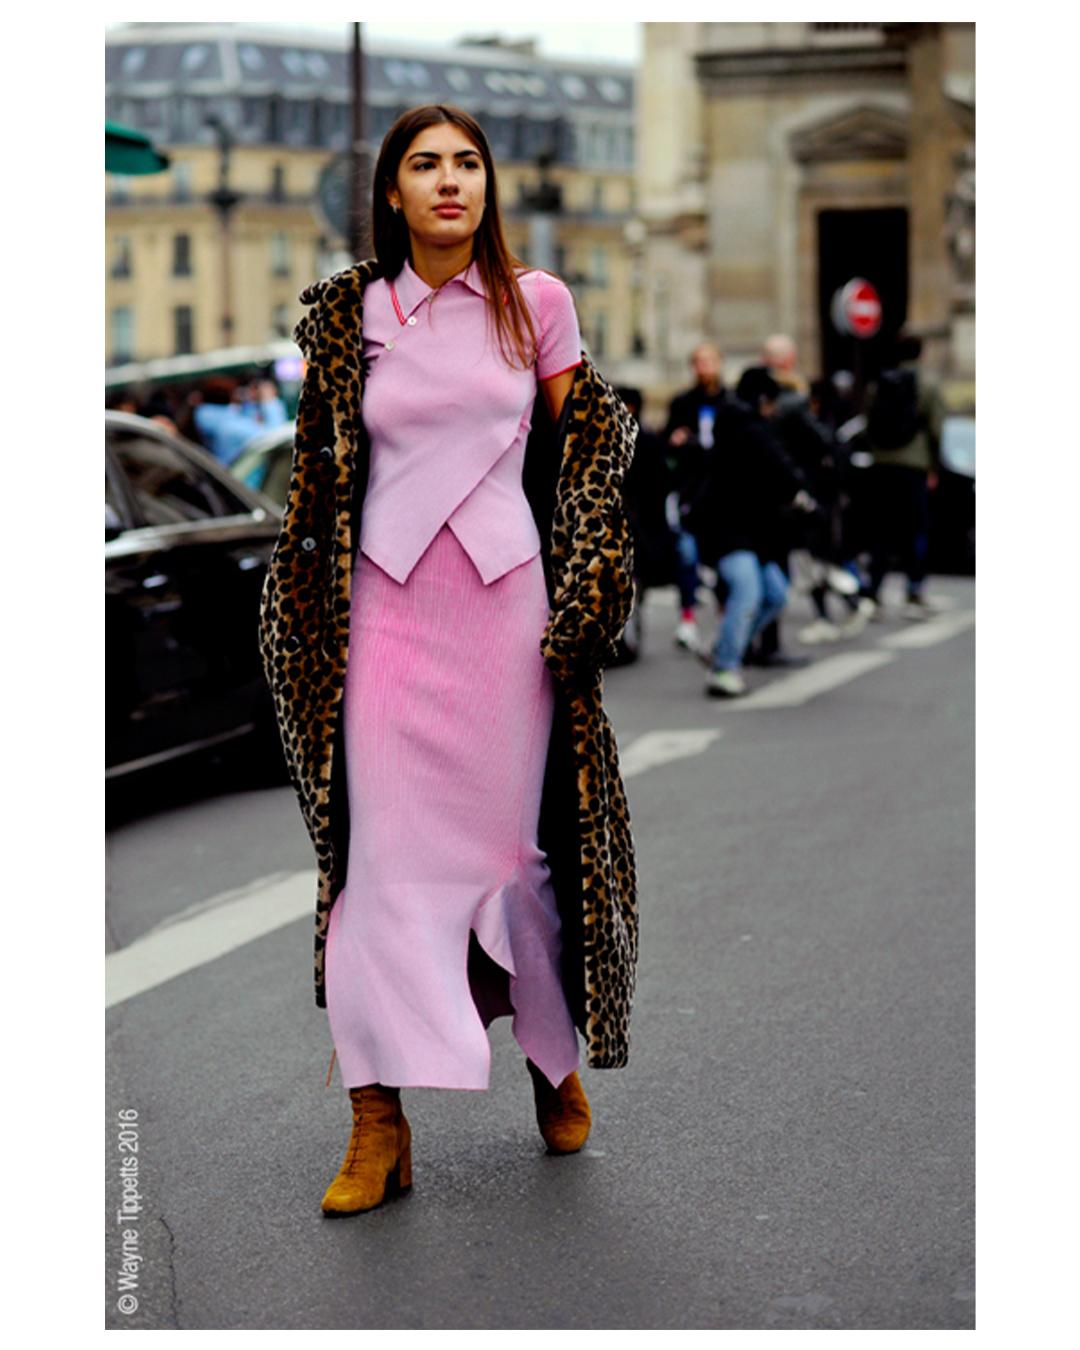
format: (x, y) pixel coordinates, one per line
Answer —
(448, 708)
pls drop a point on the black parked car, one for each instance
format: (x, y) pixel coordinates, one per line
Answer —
(186, 549)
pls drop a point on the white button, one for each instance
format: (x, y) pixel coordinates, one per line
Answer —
(411, 319)
(327, 451)
(390, 345)
(307, 544)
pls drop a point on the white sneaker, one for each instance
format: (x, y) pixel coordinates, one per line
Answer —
(858, 618)
(821, 630)
(725, 684)
(840, 581)
(918, 610)
(926, 606)
(687, 635)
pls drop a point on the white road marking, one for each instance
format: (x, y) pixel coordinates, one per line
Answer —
(211, 928)
(206, 931)
(661, 747)
(927, 632)
(798, 688)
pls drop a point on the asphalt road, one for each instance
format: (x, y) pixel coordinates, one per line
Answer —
(792, 1142)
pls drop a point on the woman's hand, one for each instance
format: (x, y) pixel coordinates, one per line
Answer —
(556, 390)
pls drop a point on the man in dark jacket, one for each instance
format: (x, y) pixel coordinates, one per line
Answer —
(809, 444)
(690, 433)
(746, 480)
(903, 433)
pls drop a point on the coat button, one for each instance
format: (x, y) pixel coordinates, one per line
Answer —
(411, 320)
(307, 544)
(390, 345)
(327, 451)
(292, 643)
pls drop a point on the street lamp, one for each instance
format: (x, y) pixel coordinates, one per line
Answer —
(224, 200)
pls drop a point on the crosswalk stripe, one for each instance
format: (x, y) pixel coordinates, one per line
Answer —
(214, 927)
(662, 747)
(930, 631)
(798, 688)
(209, 930)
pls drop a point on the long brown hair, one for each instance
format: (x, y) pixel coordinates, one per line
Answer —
(513, 322)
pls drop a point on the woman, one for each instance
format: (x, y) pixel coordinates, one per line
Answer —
(453, 567)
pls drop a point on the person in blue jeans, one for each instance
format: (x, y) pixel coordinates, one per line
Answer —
(757, 594)
(747, 480)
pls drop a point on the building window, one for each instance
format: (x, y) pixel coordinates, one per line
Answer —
(599, 332)
(183, 330)
(297, 121)
(337, 116)
(151, 113)
(181, 255)
(277, 183)
(121, 262)
(500, 133)
(119, 187)
(252, 117)
(279, 321)
(273, 119)
(279, 253)
(181, 177)
(598, 194)
(121, 334)
(186, 119)
(599, 266)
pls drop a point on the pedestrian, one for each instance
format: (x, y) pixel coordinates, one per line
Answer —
(647, 487)
(903, 434)
(811, 435)
(746, 481)
(806, 444)
(690, 433)
(804, 424)
(453, 569)
(228, 415)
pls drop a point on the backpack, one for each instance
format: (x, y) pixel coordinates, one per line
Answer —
(894, 419)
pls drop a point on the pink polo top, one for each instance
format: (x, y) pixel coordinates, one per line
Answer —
(448, 418)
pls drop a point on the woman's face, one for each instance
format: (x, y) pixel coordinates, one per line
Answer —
(440, 186)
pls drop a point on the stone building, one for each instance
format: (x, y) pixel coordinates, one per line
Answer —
(778, 160)
(177, 281)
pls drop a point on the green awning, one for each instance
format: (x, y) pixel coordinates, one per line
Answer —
(131, 152)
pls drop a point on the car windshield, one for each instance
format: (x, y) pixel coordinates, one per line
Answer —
(958, 445)
(266, 464)
(250, 468)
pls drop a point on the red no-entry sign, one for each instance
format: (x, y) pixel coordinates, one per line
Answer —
(856, 309)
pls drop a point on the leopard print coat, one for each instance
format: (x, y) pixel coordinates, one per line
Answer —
(572, 477)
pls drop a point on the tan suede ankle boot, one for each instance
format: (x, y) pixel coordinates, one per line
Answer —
(378, 1160)
(562, 1113)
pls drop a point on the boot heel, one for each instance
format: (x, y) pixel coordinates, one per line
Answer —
(404, 1168)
